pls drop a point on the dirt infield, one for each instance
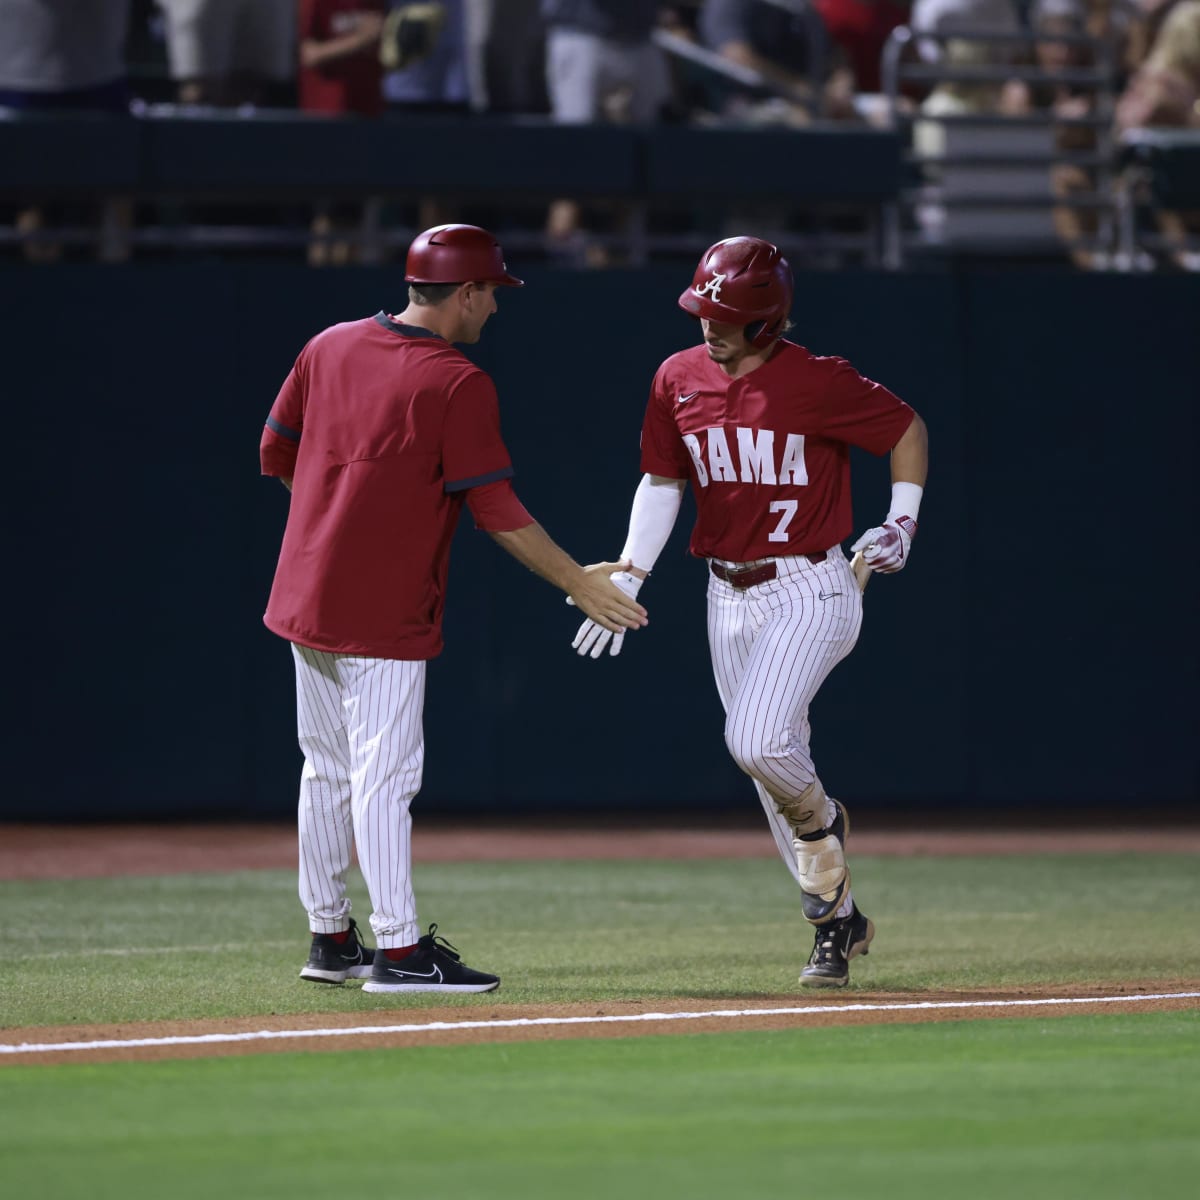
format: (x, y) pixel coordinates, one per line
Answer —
(45, 852)
(80, 851)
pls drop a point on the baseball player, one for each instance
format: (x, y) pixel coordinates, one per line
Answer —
(762, 428)
(381, 431)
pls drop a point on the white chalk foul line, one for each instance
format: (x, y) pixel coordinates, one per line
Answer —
(268, 1035)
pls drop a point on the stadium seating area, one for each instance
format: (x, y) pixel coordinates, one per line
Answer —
(852, 132)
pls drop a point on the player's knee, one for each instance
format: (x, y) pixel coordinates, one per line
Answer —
(750, 754)
(766, 761)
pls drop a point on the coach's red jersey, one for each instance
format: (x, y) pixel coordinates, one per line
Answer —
(768, 454)
(383, 427)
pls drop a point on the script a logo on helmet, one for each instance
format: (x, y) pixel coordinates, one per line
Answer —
(712, 287)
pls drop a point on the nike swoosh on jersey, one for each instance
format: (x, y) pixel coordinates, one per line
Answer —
(685, 399)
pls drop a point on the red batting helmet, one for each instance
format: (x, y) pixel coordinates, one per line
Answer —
(457, 254)
(742, 281)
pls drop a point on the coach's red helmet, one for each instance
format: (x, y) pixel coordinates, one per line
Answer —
(742, 281)
(457, 254)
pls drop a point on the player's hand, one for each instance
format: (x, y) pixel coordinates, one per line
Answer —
(885, 548)
(592, 637)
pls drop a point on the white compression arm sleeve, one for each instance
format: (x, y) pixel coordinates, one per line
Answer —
(655, 506)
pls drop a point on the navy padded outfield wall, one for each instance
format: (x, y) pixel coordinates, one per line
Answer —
(1040, 649)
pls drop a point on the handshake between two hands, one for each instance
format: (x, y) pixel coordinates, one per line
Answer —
(594, 636)
(884, 549)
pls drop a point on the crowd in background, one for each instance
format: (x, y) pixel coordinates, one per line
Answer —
(600, 61)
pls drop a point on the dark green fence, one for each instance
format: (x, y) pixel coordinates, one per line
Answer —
(1039, 652)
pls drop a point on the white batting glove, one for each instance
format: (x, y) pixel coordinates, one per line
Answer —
(592, 638)
(885, 548)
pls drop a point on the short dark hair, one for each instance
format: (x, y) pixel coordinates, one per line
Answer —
(431, 294)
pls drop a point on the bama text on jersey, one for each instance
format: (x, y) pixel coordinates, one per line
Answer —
(755, 456)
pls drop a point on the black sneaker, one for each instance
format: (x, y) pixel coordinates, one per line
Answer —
(334, 962)
(836, 944)
(434, 966)
(818, 909)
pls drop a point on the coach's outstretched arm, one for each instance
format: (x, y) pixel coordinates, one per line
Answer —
(588, 587)
(497, 510)
(655, 507)
(885, 547)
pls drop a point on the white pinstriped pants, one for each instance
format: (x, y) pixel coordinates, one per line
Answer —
(772, 647)
(359, 726)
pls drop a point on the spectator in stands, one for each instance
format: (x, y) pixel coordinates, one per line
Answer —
(790, 49)
(341, 74)
(951, 98)
(340, 70)
(956, 97)
(55, 58)
(512, 54)
(1071, 104)
(230, 53)
(1165, 91)
(978, 16)
(1119, 23)
(427, 74)
(601, 66)
(425, 53)
(860, 28)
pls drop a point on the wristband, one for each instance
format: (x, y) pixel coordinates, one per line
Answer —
(906, 501)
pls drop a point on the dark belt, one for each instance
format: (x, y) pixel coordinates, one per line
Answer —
(749, 576)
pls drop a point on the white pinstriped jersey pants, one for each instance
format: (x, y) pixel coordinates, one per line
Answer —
(359, 726)
(772, 646)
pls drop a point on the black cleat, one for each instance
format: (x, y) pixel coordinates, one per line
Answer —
(334, 962)
(434, 966)
(837, 942)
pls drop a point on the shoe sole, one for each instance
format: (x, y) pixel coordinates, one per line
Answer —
(838, 981)
(317, 975)
(372, 986)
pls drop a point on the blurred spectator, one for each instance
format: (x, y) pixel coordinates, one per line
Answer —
(231, 52)
(1120, 24)
(341, 74)
(956, 97)
(951, 98)
(425, 53)
(1165, 91)
(340, 70)
(1072, 103)
(508, 49)
(55, 58)
(427, 73)
(977, 16)
(601, 65)
(859, 28)
(52, 58)
(790, 49)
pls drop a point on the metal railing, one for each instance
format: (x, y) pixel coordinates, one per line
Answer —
(1000, 164)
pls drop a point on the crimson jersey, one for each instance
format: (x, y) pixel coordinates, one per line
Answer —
(768, 454)
(352, 84)
(383, 428)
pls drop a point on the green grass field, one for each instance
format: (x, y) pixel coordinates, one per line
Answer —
(1102, 1105)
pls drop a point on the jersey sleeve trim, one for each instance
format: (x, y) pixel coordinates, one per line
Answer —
(277, 427)
(461, 485)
